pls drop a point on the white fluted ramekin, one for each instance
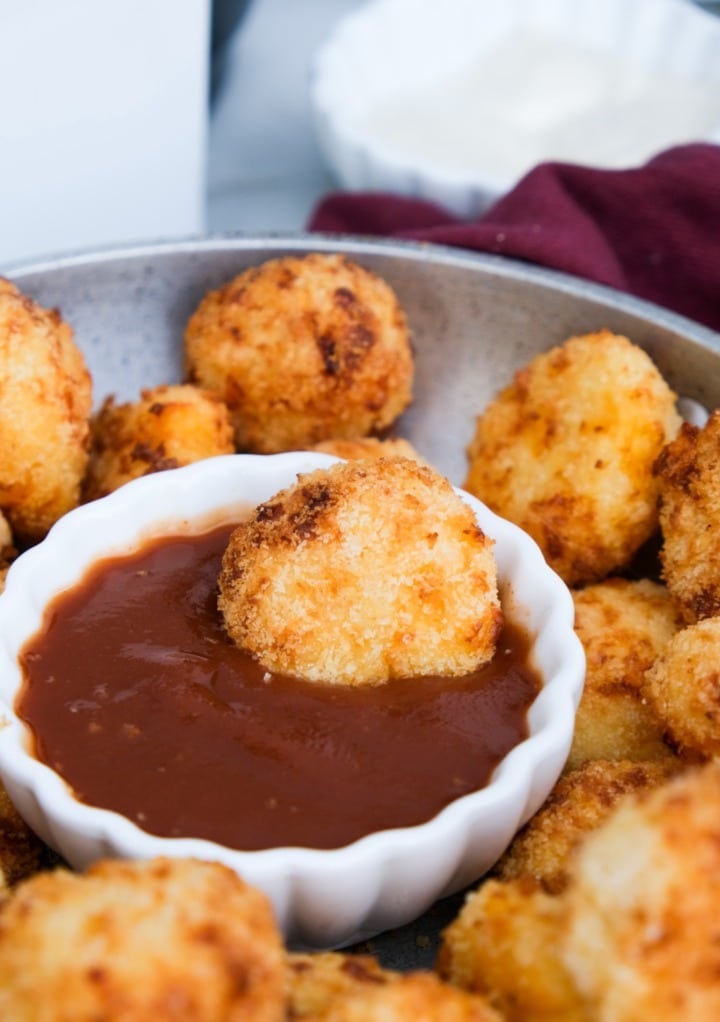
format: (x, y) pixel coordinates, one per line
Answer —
(322, 898)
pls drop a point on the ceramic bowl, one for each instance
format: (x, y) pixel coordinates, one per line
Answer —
(475, 319)
(321, 897)
(455, 102)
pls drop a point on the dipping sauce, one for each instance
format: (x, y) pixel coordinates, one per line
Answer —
(138, 698)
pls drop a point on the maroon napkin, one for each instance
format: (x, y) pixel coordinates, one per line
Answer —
(653, 231)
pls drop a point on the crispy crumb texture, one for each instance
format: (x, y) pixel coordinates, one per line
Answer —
(358, 573)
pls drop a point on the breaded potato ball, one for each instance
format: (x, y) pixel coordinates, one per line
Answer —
(44, 415)
(369, 447)
(688, 470)
(7, 549)
(623, 626)
(177, 940)
(303, 349)
(362, 572)
(167, 427)
(577, 805)
(683, 685)
(336, 987)
(316, 979)
(643, 905)
(504, 945)
(22, 853)
(567, 449)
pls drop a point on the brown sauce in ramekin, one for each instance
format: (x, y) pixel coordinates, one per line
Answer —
(136, 696)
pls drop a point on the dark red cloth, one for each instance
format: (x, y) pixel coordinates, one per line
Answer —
(653, 231)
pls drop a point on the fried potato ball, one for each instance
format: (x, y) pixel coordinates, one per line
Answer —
(169, 426)
(688, 470)
(336, 987)
(369, 447)
(504, 945)
(44, 415)
(643, 931)
(303, 349)
(7, 549)
(623, 626)
(577, 805)
(684, 687)
(361, 572)
(566, 451)
(177, 940)
(22, 853)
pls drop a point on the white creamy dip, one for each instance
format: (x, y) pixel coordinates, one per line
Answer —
(533, 98)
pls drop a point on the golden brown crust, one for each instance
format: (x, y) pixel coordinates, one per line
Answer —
(361, 572)
(303, 349)
(336, 987)
(623, 626)
(22, 853)
(44, 415)
(177, 940)
(688, 470)
(566, 451)
(7, 549)
(544, 849)
(643, 932)
(504, 945)
(683, 686)
(369, 447)
(167, 427)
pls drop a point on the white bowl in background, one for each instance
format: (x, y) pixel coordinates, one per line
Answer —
(322, 898)
(454, 102)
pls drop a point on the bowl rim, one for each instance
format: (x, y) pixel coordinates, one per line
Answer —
(278, 243)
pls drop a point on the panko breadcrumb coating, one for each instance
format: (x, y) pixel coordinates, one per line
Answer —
(504, 945)
(335, 987)
(689, 474)
(22, 853)
(168, 427)
(369, 447)
(623, 626)
(177, 940)
(7, 549)
(44, 415)
(643, 931)
(566, 451)
(577, 805)
(683, 685)
(361, 572)
(303, 349)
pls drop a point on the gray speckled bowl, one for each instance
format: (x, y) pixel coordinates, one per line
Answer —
(475, 319)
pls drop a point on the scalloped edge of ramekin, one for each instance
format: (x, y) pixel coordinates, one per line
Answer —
(322, 898)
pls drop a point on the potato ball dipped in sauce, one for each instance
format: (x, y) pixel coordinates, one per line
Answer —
(134, 666)
(303, 349)
(362, 572)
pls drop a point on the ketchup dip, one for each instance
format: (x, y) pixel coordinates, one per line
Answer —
(136, 696)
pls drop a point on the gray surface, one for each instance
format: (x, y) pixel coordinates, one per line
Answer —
(474, 318)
